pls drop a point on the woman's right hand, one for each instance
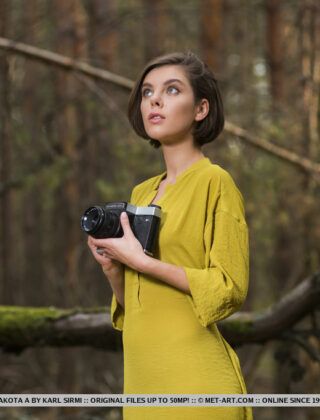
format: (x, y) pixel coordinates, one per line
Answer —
(112, 269)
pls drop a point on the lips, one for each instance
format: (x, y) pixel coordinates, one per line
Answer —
(155, 116)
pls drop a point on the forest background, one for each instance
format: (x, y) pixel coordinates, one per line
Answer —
(65, 143)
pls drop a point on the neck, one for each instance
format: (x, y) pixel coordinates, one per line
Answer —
(179, 157)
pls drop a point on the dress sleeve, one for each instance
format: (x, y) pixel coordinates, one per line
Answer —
(116, 310)
(116, 313)
(220, 289)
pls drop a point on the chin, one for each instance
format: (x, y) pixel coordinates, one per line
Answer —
(164, 137)
(159, 137)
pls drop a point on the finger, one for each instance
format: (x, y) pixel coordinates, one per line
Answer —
(103, 252)
(124, 219)
(90, 244)
(100, 251)
(102, 259)
(95, 249)
(101, 243)
(91, 241)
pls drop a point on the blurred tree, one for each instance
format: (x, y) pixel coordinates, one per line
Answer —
(275, 27)
(71, 41)
(211, 22)
(154, 24)
(6, 171)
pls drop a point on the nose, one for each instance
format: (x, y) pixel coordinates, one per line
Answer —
(156, 100)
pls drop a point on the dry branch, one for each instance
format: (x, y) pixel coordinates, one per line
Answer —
(22, 327)
(284, 154)
(276, 320)
(64, 62)
(78, 66)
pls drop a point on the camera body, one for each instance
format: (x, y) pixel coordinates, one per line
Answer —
(104, 222)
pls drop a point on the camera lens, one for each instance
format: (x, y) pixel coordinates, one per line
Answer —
(101, 223)
(92, 218)
(111, 224)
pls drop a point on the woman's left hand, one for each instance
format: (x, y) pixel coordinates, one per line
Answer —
(126, 249)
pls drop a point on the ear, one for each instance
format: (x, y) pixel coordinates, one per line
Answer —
(202, 109)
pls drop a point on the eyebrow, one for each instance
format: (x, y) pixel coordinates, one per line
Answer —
(165, 83)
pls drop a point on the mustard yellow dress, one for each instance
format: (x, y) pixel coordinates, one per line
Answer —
(171, 342)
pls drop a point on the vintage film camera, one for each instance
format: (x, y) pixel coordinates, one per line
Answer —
(104, 222)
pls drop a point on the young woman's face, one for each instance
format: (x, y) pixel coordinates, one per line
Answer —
(168, 106)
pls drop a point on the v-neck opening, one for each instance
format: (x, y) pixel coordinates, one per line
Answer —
(190, 168)
(199, 163)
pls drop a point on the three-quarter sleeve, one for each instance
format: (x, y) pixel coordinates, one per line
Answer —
(219, 290)
(116, 310)
(116, 313)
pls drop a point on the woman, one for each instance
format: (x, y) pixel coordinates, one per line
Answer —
(167, 306)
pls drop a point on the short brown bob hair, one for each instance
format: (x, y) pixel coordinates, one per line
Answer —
(204, 85)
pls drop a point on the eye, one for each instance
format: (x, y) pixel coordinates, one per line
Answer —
(173, 89)
(145, 92)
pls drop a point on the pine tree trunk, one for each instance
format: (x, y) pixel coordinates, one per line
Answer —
(6, 206)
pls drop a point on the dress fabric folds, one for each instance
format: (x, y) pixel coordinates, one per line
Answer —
(171, 342)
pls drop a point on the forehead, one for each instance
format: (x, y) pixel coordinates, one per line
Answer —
(160, 74)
